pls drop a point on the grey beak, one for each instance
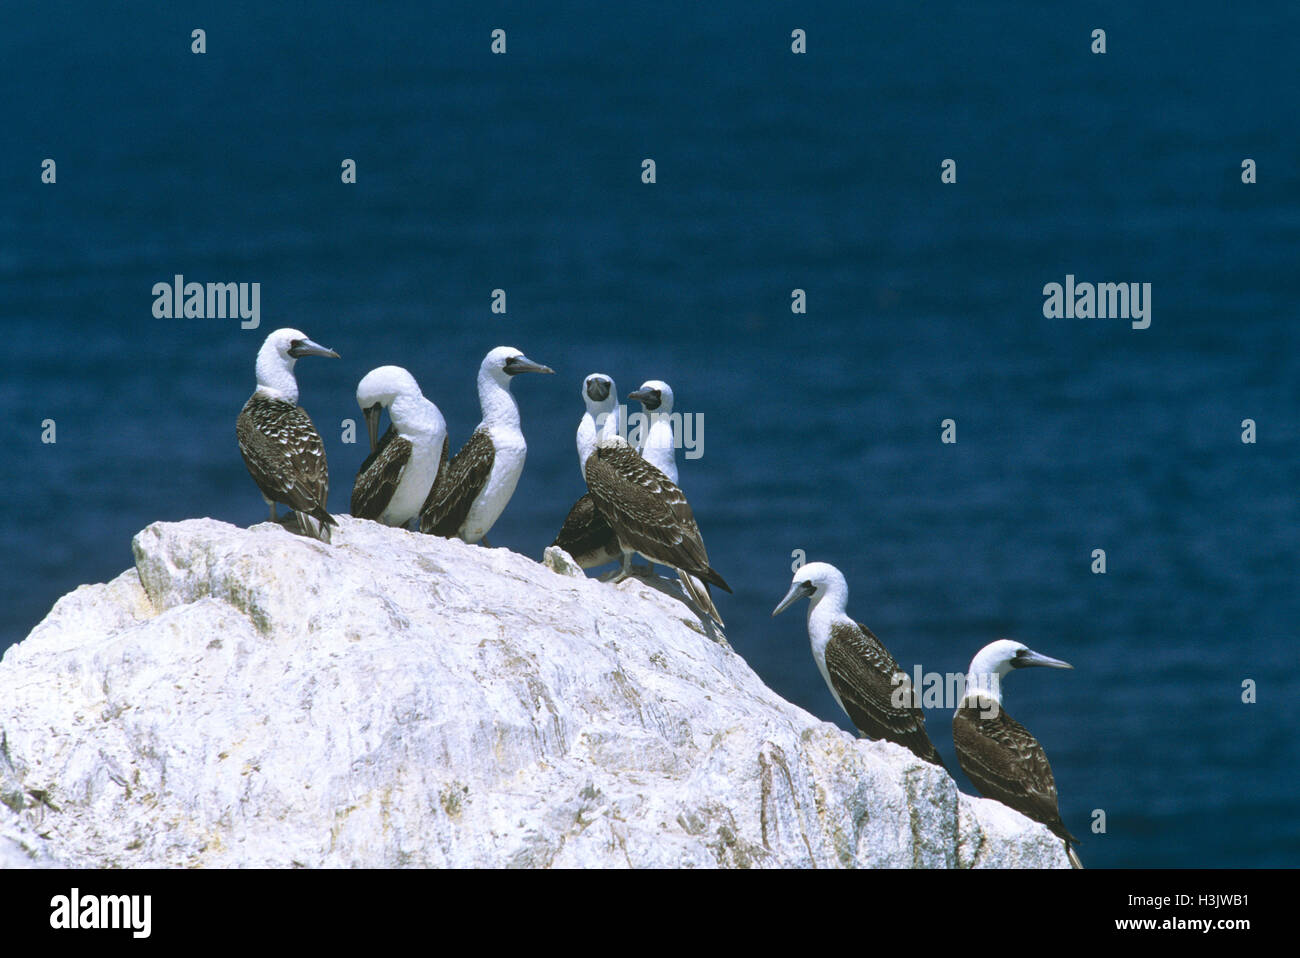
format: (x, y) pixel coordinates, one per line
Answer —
(648, 396)
(598, 390)
(372, 424)
(798, 590)
(305, 347)
(522, 364)
(1031, 657)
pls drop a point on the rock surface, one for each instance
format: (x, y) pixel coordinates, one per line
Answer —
(248, 697)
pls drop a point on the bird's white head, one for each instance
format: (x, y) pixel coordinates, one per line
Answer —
(499, 366)
(506, 362)
(600, 422)
(382, 385)
(816, 581)
(997, 659)
(378, 389)
(598, 393)
(655, 396)
(276, 358)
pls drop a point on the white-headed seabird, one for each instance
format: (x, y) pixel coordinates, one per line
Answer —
(472, 491)
(658, 446)
(281, 448)
(864, 678)
(398, 475)
(996, 752)
(585, 535)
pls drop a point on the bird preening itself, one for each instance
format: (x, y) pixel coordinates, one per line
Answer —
(865, 679)
(280, 445)
(397, 477)
(474, 488)
(998, 754)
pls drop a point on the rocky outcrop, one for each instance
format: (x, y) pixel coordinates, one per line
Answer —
(248, 697)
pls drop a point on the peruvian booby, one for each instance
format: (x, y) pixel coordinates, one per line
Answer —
(281, 448)
(864, 678)
(585, 535)
(398, 475)
(658, 446)
(996, 752)
(472, 491)
(647, 511)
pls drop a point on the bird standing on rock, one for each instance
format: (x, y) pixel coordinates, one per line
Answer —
(280, 445)
(474, 489)
(864, 678)
(395, 480)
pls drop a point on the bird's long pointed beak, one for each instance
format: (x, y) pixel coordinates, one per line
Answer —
(797, 591)
(641, 395)
(372, 424)
(1036, 658)
(522, 364)
(309, 348)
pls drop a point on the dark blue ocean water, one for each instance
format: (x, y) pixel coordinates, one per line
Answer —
(775, 171)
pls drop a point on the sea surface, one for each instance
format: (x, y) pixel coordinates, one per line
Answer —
(821, 431)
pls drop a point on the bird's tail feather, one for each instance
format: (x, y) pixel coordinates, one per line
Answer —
(1074, 858)
(311, 525)
(699, 593)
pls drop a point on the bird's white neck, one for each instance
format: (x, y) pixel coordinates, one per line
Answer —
(275, 378)
(499, 407)
(416, 417)
(985, 676)
(599, 423)
(824, 611)
(658, 447)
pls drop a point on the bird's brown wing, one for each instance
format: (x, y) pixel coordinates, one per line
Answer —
(1005, 762)
(379, 477)
(458, 484)
(285, 455)
(862, 673)
(647, 511)
(586, 536)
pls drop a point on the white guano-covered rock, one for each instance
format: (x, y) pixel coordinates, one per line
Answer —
(249, 697)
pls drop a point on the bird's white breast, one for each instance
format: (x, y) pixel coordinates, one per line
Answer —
(658, 448)
(417, 478)
(509, 451)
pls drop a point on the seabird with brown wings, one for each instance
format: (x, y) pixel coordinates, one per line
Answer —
(473, 490)
(396, 478)
(860, 672)
(658, 446)
(648, 513)
(280, 445)
(998, 754)
(585, 535)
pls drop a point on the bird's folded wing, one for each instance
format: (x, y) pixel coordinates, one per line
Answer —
(458, 484)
